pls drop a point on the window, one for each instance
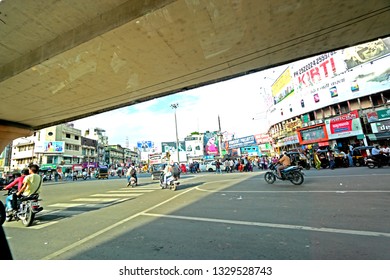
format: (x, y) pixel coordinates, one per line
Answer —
(67, 135)
(76, 137)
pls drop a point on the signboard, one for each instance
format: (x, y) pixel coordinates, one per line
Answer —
(155, 158)
(312, 135)
(50, 147)
(211, 146)
(344, 126)
(378, 115)
(332, 78)
(242, 142)
(145, 146)
(381, 127)
(263, 138)
(171, 147)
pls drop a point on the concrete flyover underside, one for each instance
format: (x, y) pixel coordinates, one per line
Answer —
(67, 59)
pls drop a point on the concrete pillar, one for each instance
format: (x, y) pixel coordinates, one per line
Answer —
(10, 132)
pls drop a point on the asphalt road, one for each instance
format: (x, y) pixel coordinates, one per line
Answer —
(335, 215)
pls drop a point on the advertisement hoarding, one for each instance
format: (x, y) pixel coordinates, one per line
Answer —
(50, 147)
(344, 125)
(332, 78)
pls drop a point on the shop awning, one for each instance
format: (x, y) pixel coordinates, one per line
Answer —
(379, 136)
(45, 167)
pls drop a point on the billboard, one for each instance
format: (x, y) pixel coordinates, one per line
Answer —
(332, 78)
(344, 126)
(211, 146)
(50, 147)
(171, 147)
(145, 146)
(242, 142)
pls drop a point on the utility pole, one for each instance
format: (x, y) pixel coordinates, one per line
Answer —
(175, 106)
(219, 137)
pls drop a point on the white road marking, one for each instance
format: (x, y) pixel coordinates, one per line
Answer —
(132, 190)
(292, 191)
(98, 199)
(104, 230)
(117, 194)
(66, 205)
(270, 225)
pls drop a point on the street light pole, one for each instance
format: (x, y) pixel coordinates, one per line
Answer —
(175, 106)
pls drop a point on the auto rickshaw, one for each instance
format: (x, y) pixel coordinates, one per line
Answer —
(102, 172)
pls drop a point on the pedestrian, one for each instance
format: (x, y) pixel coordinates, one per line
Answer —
(317, 161)
(231, 165)
(56, 175)
(227, 165)
(331, 160)
(350, 158)
(218, 167)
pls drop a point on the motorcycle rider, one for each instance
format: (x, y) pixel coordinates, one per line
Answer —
(31, 183)
(168, 172)
(10, 201)
(285, 162)
(377, 154)
(131, 172)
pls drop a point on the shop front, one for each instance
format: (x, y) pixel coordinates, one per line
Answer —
(380, 126)
(345, 130)
(313, 137)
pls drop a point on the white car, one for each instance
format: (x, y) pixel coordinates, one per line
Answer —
(210, 167)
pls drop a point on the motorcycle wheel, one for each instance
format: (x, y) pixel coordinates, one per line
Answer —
(297, 178)
(371, 165)
(2, 213)
(269, 177)
(28, 218)
(307, 167)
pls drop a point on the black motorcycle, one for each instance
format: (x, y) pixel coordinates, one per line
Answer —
(292, 173)
(26, 209)
(377, 160)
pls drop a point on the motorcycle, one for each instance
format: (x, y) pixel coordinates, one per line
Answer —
(292, 173)
(379, 161)
(27, 207)
(172, 182)
(132, 182)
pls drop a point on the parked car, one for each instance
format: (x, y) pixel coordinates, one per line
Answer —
(211, 167)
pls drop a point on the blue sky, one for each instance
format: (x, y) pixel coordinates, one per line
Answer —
(236, 101)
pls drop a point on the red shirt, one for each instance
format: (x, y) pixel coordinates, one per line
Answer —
(18, 181)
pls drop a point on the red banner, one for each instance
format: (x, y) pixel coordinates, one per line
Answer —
(343, 123)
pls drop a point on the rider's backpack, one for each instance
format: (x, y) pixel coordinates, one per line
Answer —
(176, 170)
(132, 171)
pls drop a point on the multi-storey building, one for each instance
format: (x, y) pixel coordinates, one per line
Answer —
(326, 101)
(114, 155)
(102, 141)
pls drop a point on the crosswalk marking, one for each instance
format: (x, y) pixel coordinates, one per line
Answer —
(132, 190)
(117, 194)
(81, 205)
(66, 205)
(98, 199)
